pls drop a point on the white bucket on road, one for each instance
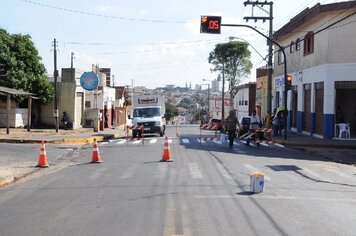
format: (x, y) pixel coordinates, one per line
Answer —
(257, 182)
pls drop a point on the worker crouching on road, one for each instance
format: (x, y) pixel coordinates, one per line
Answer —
(231, 123)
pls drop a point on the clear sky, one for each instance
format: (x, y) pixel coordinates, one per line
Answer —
(148, 43)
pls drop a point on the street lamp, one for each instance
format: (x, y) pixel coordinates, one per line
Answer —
(208, 100)
(233, 37)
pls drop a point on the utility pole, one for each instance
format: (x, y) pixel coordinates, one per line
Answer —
(55, 73)
(208, 102)
(223, 95)
(270, 44)
(71, 59)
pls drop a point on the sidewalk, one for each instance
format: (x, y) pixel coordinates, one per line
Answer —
(335, 150)
(82, 135)
(295, 139)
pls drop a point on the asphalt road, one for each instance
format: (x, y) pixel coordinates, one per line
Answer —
(204, 191)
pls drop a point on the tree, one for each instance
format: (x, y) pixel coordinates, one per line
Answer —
(21, 67)
(171, 111)
(234, 57)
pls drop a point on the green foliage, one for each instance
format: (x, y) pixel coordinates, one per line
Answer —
(171, 111)
(21, 66)
(234, 57)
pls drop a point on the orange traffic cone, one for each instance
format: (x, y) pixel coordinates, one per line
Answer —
(42, 159)
(95, 157)
(166, 152)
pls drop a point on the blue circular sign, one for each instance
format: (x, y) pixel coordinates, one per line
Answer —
(89, 81)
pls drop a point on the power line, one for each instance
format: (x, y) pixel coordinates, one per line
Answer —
(102, 15)
(143, 44)
(153, 50)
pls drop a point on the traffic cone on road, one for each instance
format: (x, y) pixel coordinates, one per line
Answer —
(95, 156)
(166, 152)
(42, 159)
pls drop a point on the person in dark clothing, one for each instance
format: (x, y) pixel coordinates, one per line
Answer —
(231, 123)
(66, 120)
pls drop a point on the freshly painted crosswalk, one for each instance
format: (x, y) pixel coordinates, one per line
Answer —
(207, 141)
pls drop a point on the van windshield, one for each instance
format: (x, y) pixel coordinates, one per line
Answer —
(147, 112)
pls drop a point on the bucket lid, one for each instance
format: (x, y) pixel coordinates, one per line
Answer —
(257, 174)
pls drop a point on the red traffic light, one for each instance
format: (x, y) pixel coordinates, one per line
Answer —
(210, 24)
(289, 82)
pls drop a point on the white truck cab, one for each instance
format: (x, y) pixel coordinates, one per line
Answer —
(149, 111)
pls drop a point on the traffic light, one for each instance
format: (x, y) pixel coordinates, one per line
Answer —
(289, 82)
(210, 24)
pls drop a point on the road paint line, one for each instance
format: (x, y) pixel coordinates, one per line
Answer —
(310, 172)
(170, 140)
(223, 171)
(251, 144)
(137, 141)
(97, 173)
(154, 140)
(122, 141)
(278, 145)
(264, 144)
(338, 172)
(217, 142)
(103, 143)
(195, 171)
(129, 172)
(185, 140)
(161, 171)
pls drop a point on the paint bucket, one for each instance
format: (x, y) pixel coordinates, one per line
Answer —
(257, 182)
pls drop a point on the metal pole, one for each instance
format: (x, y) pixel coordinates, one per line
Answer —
(223, 95)
(208, 102)
(56, 113)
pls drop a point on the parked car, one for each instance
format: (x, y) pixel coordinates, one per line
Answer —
(217, 122)
(244, 125)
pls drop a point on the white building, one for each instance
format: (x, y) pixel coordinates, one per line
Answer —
(321, 58)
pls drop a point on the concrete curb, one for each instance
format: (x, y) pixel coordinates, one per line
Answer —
(81, 140)
(320, 145)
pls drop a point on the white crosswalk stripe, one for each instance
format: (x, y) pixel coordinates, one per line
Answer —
(195, 171)
(154, 140)
(129, 172)
(161, 171)
(137, 141)
(122, 141)
(223, 171)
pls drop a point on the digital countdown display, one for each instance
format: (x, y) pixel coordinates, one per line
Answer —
(210, 24)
